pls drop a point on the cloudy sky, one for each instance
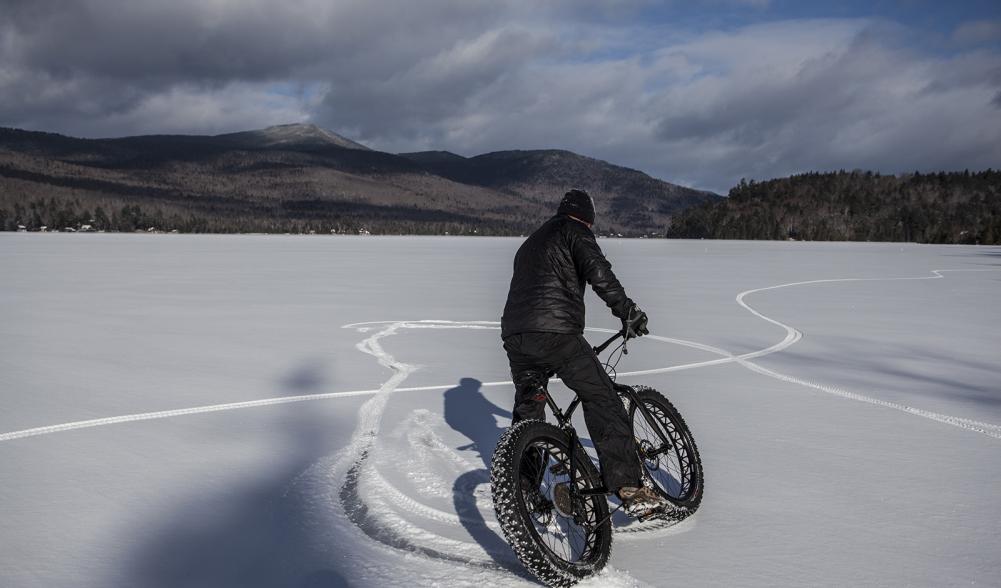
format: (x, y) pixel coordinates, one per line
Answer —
(698, 92)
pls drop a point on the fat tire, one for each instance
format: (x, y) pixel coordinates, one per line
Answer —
(514, 517)
(689, 503)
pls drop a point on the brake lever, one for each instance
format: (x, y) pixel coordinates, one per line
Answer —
(625, 332)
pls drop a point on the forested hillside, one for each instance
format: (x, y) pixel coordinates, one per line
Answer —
(954, 207)
(301, 178)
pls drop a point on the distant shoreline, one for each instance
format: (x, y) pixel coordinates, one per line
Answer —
(387, 236)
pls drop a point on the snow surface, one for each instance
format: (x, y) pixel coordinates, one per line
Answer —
(320, 411)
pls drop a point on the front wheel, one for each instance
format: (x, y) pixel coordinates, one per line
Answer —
(672, 468)
(559, 535)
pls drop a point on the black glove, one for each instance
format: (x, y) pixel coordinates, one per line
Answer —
(635, 323)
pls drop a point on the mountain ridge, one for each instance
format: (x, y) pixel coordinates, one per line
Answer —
(294, 134)
(301, 177)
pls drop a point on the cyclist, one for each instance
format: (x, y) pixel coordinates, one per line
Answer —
(543, 332)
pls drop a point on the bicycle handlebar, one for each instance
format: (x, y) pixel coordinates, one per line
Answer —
(610, 340)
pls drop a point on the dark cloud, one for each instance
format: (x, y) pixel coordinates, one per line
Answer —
(471, 77)
(154, 43)
(434, 87)
(66, 61)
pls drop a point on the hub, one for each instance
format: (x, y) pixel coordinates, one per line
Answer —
(562, 500)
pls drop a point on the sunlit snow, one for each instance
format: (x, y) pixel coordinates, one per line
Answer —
(320, 411)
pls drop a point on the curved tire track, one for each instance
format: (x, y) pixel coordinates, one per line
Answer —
(792, 336)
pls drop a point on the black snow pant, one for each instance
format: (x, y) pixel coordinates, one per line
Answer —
(533, 356)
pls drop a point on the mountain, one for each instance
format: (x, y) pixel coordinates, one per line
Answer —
(954, 207)
(290, 136)
(623, 197)
(434, 158)
(304, 178)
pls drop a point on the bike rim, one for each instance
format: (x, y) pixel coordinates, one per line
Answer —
(571, 541)
(668, 467)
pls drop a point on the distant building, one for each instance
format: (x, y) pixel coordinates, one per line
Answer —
(86, 228)
(22, 229)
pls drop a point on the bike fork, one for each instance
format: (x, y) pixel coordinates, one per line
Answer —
(634, 398)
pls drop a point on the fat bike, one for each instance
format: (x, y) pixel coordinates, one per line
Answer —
(548, 495)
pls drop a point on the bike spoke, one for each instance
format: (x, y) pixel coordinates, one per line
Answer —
(563, 536)
(669, 468)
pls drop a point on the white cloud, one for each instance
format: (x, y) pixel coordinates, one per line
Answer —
(757, 102)
(236, 106)
(703, 109)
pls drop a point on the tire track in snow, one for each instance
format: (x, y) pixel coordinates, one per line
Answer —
(368, 503)
(425, 324)
(335, 487)
(377, 485)
(393, 529)
(792, 336)
(385, 514)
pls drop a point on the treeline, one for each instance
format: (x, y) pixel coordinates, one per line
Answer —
(953, 207)
(55, 214)
(297, 216)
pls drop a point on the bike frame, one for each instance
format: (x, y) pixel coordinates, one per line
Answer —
(563, 419)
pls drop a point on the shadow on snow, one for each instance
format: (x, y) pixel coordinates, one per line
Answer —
(245, 537)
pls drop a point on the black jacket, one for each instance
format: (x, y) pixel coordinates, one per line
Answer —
(550, 270)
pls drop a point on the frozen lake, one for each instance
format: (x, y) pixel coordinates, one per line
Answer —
(207, 411)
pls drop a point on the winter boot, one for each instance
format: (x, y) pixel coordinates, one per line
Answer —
(642, 502)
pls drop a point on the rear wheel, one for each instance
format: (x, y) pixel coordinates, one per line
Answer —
(560, 536)
(674, 468)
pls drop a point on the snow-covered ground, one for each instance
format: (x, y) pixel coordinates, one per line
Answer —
(320, 411)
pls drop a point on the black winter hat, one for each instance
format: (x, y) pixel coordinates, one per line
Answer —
(578, 203)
